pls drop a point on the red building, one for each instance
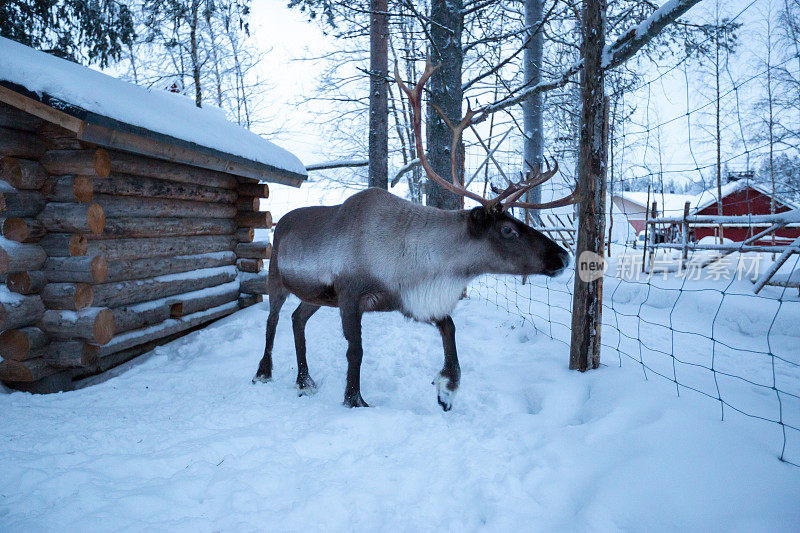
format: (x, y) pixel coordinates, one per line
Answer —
(741, 197)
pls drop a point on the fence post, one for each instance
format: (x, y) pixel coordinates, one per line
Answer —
(587, 302)
(685, 236)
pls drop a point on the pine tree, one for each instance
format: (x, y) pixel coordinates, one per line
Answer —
(84, 31)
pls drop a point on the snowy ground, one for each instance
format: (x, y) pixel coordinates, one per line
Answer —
(181, 441)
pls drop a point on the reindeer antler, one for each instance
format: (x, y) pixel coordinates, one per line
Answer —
(506, 198)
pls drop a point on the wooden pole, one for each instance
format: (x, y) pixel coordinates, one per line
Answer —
(254, 250)
(65, 245)
(587, 299)
(23, 343)
(685, 236)
(251, 188)
(17, 257)
(142, 227)
(95, 325)
(261, 219)
(69, 217)
(86, 162)
(20, 311)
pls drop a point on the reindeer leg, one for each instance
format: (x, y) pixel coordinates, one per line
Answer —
(305, 385)
(351, 326)
(277, 295)
(448, 379)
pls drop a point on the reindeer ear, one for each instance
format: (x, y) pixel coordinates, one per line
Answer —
(479, 221)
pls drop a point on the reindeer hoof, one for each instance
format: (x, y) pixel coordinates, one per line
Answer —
(306, 386)
(261, 378)
(444, 394)
(354, 400)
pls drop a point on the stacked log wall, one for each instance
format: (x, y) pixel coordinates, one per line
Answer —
(105, 252)
(252, 256)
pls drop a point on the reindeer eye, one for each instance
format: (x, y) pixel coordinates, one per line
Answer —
(507, 231)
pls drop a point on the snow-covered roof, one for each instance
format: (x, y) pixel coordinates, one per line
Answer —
(672, 204)
(668, 204)
(97, 98)
(709, 196)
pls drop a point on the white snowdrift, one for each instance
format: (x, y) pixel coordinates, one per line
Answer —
(182, 441)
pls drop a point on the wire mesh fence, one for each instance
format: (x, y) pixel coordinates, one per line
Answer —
(679, 299)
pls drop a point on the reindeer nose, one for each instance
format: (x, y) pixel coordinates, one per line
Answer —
(557, 263)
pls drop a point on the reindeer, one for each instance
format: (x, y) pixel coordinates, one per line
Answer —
(378, 252)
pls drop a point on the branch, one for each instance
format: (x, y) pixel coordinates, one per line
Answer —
(634, 39)
(327, 165)
(613, 55)
(403, 171)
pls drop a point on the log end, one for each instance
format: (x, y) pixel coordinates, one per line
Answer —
(176, 310)
(104, 327)
(19, 282)
(15, 371)
(15, 229)
(83, 297)
(82, 189)
(99, 268)
(15, 345)
(96, 219)
(102, 163)
(10, 171)
(78, 245)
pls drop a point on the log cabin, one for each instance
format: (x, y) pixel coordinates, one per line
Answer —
(127, 218)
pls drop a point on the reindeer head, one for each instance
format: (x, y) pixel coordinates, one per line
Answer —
(512, 247)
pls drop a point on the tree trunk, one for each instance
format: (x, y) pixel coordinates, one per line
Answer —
(533, 146)
(379, 94)
(588, 292)
(447, 23)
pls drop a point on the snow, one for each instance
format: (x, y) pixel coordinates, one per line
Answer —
(152, 109)
(180, 440)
